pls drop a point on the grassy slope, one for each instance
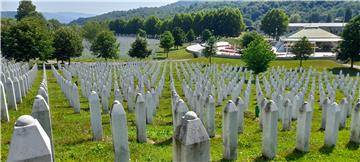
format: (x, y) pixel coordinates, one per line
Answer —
(72, 134)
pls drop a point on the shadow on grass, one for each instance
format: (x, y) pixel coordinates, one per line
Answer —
(352, 145)
(326, 150)
(345, 71)
(224, 160)
(261, 158)
(77, 141)
(295, 155)
(164, 143)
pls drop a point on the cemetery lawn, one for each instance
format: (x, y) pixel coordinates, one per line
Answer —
(73, 140)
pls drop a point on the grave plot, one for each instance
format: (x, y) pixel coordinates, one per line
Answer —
(184, 111)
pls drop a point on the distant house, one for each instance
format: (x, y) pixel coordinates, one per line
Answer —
(335, 28)
(323, 40)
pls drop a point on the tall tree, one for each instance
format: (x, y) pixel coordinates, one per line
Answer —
(248, 37)
(105, 45)
(139, 48)
(27, 39)
(295, 18)
(25, 8)
(206, 34)
(258, 55)
(348, 14)
(275, 23)
(197, 24)
(166, 42)
(179, 36)
(67, 44)
(210, 49)
(302, 49)
(329, 18)
(229, 22)
(134, 25)
(91, 29)
(190, 36)
(183, 21)
(152, 25)
(53, 24)
(350, 46)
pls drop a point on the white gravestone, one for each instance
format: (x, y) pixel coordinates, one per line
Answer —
(303, 128)
(230, 131)
(119, 132)
(4, 107)
(29, 142)
(332, 125)
(140, 113)
(269, 135)
(95, 116)
(191, 140)
(355, 124)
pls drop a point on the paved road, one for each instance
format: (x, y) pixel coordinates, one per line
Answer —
(355, 66)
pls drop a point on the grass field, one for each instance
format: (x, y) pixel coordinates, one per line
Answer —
(73, 141)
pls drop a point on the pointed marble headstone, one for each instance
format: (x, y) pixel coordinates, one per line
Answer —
(191, 140)
(355, 124)
(303, 128)
(119, 132)
(29, 142)
(95, 116)
(230, 131)
(140, 113)
(269, 135)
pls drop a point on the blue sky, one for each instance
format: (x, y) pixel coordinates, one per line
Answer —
(85, 6)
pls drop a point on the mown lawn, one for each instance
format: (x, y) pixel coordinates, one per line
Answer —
(73, 141)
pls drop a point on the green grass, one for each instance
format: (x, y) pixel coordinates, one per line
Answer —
(73, 140)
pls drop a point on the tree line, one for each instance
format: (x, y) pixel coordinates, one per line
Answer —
(227, 22)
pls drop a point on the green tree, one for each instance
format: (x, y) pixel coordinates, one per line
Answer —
(348, 14)
(91, 29)
(258, 55)
(197, 24)
(190, 36)
(105, 45)
(275, 23)
(206, 34)
(329, 18)
(210, 49)
(139, 48)
(134, 25)
(302, 49)
(152, 25)
(183, 21)
(27, 39)
(179, 36)
(248, 37)
(67, 44)
(166, 42)
(25, 8)
(229, 22)
(53, 24)
(350, 46)
(141, 33)
(295, 18)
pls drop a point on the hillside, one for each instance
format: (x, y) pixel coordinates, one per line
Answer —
(316, 11)
(63, 17)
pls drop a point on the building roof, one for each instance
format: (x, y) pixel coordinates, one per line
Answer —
(311, 25)
(313, 35)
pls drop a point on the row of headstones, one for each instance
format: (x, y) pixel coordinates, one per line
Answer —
(183, 120)
(12, 70)
(269, 115)
(12, 91)
(204, 86)
(70, 90)
(32, 138)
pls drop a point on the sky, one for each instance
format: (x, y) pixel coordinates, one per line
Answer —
(85, 6)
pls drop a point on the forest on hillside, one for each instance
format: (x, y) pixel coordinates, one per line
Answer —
(252, 11)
